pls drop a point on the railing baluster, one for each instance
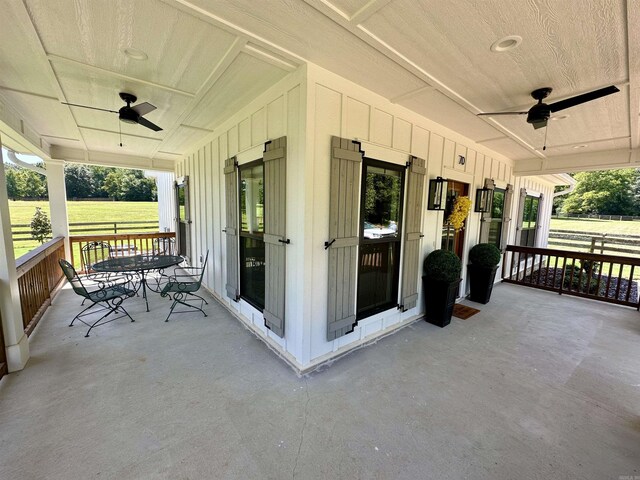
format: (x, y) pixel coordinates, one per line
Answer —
(629, 283)
(609, 279)
(619, 282)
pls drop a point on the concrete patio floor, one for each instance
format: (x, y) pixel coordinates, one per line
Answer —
(535, 386)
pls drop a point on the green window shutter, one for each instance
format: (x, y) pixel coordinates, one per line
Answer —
(345, 172)
(413, 233)
(275, 177)
(231, 195)
(485, 218)
(506, 216)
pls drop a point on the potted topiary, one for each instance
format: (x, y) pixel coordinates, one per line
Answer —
(484, 258)
(440, 280)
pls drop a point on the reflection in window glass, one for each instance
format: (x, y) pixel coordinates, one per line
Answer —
(252, 251)
(182, 204)
(529, 220)
(497, 217)
(252, 199)
(382, 202)
(379, 253)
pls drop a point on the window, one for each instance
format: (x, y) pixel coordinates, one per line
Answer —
(252, 251)
(496, 219)
(380, 236)
(183, 221)
(529, 221)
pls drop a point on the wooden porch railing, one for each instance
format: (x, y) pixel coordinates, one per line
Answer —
(608, 278)
(38, 276)
(122, 244)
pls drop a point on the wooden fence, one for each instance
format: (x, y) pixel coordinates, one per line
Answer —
(595, 242)
(608, 278)
(22, 232)
(121, 244)
(38, 276)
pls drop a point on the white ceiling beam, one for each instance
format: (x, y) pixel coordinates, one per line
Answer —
(579, 162)
(588, 142)
(30, 28)
(132, 135)
(217, 21)
(103, 71)
(106, 159)
(31, 94)
(269, 57)
(218, 70)
(411, 94)
(18, 135)
(633, 58)
(411, 66)
(367, 10)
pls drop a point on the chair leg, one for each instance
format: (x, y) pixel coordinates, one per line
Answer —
(97, 322)
(177, 299)
(196, 295)
(77, 317)
(173, 305)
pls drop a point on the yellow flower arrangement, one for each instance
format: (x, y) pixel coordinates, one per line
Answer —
(461, 209)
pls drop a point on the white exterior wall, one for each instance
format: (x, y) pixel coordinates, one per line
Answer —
(390, 133)
(309, 107)
(276, 113)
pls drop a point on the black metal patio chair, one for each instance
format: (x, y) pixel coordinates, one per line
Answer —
(182, 286)
(94, 252)
(108, 295)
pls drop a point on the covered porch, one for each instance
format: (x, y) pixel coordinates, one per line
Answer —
(536, 385)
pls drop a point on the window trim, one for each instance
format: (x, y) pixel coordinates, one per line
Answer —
(366, 162)
(524, 196)
(242, 234)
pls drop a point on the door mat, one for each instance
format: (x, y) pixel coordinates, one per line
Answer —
(463, 311)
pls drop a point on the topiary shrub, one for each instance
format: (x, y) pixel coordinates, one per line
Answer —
(442, 266)
(485, 255)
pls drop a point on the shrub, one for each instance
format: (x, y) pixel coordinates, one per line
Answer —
(40, 226)
(575, 283)
(484, 255)
(442, 266)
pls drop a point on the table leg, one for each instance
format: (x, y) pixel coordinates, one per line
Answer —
(143, 280)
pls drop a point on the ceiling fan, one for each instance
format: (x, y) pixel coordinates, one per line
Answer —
(539, 114)
(129, 114)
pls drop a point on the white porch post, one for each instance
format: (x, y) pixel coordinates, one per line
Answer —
(15, 340)
(58, 203)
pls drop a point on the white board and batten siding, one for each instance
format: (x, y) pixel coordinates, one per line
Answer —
(273, 115)
(308, 108)
(387, 132)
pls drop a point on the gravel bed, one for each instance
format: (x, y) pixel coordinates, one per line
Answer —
(547, 278)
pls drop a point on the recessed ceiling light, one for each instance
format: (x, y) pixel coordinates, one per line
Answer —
(560, 117)
(135, 53)
(580, 146)
(507, 43)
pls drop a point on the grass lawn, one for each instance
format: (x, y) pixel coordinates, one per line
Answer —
(593, 225)
(82, 212)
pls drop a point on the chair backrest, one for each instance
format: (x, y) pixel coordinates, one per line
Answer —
(73, 278)
(203, 267)
(164, 246)
(94, 252)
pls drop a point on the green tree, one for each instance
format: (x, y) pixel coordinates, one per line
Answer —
(78, 180)
(608, 192)
(40, 226)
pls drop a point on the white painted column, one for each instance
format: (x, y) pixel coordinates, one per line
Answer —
(165, 183)
(58, 202)
(15, 340)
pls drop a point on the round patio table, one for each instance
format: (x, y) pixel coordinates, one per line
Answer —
(140, 264)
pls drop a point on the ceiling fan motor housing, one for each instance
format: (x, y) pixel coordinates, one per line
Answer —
(128, 115)
(540, 112)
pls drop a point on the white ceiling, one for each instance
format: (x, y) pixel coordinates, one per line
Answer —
(206, 58)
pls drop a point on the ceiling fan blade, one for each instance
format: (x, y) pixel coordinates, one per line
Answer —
(143, 108)
(146, 123)
(86, 106)
(491, 114)
(585, 97)
(540, 124)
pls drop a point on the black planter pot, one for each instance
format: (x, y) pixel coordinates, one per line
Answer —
(439, 299)
(481, 283)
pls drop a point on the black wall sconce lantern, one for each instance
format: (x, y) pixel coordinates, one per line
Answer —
(484, 196)
(437, 194)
